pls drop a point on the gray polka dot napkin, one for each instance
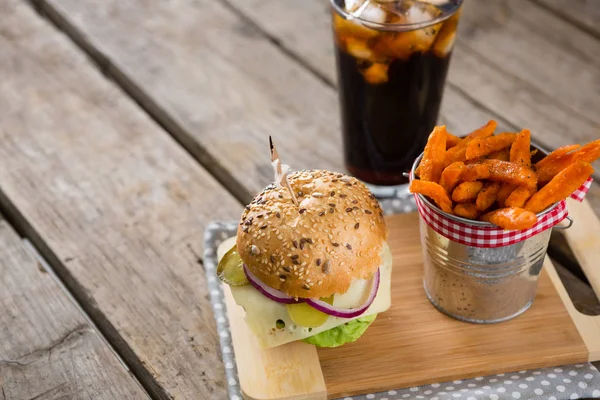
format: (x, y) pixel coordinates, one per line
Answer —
(581, 381)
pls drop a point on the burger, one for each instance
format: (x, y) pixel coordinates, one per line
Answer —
(310, 260)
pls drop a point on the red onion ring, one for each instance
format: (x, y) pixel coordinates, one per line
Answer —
(267, 291)
(347, 312)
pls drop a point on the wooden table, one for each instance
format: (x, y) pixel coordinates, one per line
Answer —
(127, 126)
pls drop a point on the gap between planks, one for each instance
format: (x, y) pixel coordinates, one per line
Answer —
(105, 329)
(146, 103)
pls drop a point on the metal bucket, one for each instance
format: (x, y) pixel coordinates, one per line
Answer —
(475, 284)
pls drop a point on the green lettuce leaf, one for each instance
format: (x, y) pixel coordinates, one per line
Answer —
(346, 333)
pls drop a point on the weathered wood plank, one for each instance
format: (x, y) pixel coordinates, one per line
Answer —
(115, 205)
(48, 349)
(246, 89)
(223, 86)
(583, 13)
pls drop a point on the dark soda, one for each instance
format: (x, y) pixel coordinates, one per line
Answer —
(390, 87)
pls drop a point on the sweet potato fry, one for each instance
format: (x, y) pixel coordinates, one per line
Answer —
(432, 164)
(480, 147)
(511, 218)
(487, 196)
(588, 153)
(475, 171)
(518, 197)
(434, 191)
(561, 151)
(508, 172)
(466, 191)
(561, 186)
(451, 140)
(451, 175)
(520, 151)
(505, 190)
(458, 152)
(466, 210)
(503, 155)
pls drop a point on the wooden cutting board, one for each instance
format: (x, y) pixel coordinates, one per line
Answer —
(414, 344)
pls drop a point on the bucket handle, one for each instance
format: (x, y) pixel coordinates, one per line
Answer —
(564, 227)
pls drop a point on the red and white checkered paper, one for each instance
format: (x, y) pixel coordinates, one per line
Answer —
(489, 237)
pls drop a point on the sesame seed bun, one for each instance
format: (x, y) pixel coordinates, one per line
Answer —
(314, 249)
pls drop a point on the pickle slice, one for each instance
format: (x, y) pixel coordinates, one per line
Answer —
(231, 270)
(304, 315)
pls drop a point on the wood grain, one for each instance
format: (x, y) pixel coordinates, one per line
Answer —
(113, 203)
(48, 349)
(413, 344)
(583, 13)
(215, 81)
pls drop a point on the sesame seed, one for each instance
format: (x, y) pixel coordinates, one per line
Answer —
(282, 279)
(356, 225)
(321, 213)
(254, 250)
(295, 257)
(282, 262)
(348, 246)
(301, 245)
(259, 216)
(272, 258)
(303, 263)
(343, 195)
(286, 269)
(306, 287)
(331, 210)
(368, 212)
(309, 241)
(354, 201)
(349, 209)
(335, 244)
(345, 179)
(279, 237)
(245, 230)
(332, 193)
(278, 214)
(318, 262)
(263, 227)
(300, 194)
(317, 194)
(302, 210)
(326, 267)
(296, 262)
(295, 243)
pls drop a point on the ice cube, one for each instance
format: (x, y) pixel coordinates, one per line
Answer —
(371, 12)
(355, 29)
(436, 2)
(445, 41)
(358, 48)
(353, 5)
(376, 74)
(417, 14)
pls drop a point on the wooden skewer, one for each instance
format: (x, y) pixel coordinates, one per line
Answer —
(280, 176)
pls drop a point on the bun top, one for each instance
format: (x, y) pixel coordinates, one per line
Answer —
(314, 249)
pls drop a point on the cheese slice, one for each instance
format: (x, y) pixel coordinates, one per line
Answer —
(263, 313)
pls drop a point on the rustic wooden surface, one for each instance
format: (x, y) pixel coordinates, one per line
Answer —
(235, 44)
(581, 13)
(48, 349)
(119, 208)
(115, 205)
